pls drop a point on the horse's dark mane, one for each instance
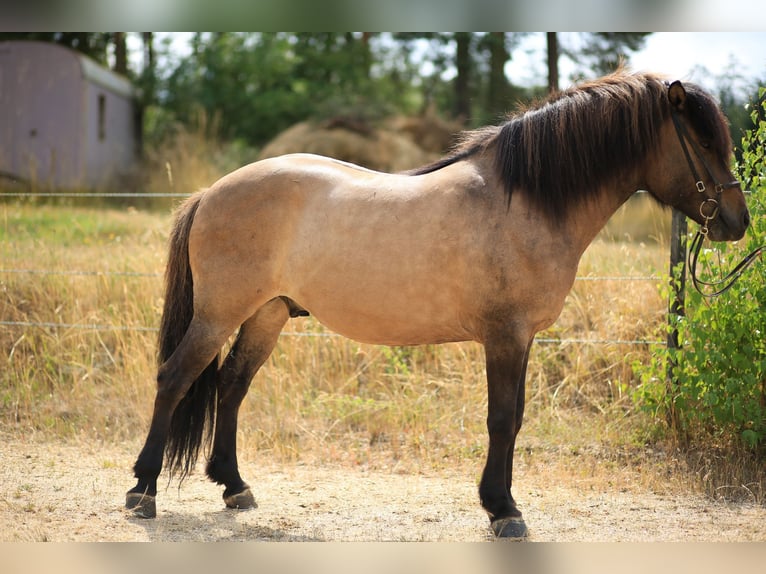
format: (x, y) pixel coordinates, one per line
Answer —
(563, 148)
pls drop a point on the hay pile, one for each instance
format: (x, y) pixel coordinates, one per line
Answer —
(398, 144)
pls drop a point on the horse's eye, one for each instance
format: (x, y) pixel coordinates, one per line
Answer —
(705, 144)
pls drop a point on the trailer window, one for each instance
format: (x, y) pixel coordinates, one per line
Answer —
(101, 117)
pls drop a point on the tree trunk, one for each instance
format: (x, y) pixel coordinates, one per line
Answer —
(120, 53)
(149, 57)
(367, 60)
(498, 84)
(553, 62)
(463, 65)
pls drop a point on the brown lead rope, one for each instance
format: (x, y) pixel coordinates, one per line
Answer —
(726, 282)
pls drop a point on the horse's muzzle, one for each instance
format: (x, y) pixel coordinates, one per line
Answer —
(730, 225)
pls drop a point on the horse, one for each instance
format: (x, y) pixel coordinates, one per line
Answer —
(481, 245)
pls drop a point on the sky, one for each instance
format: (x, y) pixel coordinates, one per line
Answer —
(678, 54)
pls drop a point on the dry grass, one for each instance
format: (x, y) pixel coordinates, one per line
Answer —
(319, 396)
(322, 398)
(66, 381)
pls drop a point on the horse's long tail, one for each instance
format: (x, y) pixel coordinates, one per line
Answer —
(192, 420)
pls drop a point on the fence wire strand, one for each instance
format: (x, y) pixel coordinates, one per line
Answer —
(139, 328)
(70, 195)
(76, 273)
(86, 273)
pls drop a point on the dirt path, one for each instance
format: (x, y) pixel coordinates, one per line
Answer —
(66, 492)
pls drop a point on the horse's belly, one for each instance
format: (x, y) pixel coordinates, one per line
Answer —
(401, 294)
(375, 322)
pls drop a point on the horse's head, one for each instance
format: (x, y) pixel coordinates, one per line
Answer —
(692, 165)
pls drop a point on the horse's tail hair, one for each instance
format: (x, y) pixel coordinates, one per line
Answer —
(192, 420)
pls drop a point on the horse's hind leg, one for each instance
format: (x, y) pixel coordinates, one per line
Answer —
(193, 359)
(255, 342)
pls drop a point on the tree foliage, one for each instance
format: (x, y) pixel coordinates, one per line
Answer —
(255, 85)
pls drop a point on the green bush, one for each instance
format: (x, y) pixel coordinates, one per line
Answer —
(717, 386)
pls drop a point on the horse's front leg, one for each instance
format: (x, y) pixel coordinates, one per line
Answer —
(506, 373)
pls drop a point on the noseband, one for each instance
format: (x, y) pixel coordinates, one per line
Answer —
(709, 210)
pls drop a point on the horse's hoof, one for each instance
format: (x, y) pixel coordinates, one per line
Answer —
(142, 505)
(510, 528)
(242, 500)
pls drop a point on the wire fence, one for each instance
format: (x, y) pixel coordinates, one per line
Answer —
(72, 195)
(79, 273)
(157, 274)
(52, 325)
(139, 328)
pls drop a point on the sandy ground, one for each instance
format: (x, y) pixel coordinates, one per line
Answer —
(69, 492)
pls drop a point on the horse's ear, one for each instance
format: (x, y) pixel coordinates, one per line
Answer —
(677, 96)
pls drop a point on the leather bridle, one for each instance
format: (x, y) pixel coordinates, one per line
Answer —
(710, 207)
(709, 210)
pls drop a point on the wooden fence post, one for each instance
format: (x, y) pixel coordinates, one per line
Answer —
(678, 231)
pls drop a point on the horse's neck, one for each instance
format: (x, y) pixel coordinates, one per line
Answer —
(590, 217)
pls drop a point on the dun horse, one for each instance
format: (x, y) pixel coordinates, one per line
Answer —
(482, 245)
